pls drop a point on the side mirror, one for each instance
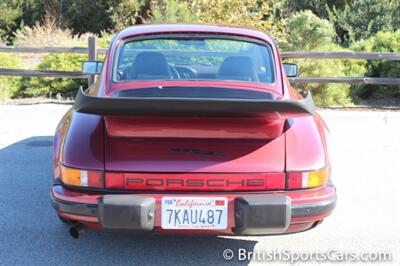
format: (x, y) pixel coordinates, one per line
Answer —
(92, 67)
(291, 70)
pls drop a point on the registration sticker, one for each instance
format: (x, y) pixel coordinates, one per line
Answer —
(194, 213)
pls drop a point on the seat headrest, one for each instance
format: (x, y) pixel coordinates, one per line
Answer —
(150, 65)
(238, 68)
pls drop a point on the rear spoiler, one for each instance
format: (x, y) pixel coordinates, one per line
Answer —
(162, 106)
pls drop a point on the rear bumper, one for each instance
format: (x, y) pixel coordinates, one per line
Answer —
(248, 213)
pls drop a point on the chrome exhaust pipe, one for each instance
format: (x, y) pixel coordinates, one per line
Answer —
(77, 230)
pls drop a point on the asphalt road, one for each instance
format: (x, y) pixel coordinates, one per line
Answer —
(366, 172)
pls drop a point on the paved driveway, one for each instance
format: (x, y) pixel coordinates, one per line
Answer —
(366, 172)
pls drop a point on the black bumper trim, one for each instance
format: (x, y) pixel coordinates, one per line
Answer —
(74, 208)
(120, 212)
(298, 210)
(313, 209)
(256, 215)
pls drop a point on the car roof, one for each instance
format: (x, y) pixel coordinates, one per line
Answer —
(161, 29)
(192, 28)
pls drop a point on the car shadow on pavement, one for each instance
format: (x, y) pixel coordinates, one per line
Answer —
(32, 234)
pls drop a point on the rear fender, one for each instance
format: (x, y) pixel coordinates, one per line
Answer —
(58, 140)
(79, 141)
(305, 146)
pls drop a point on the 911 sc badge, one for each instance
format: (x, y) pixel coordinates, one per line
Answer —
(197, 152)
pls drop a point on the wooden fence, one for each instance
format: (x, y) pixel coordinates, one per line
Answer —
(92, 51)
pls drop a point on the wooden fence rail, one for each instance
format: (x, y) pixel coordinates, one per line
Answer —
(347, 80)
(92, 51)
(342, 55)
(298, 80)
(48, 49)
(38, 73)
(295, 54)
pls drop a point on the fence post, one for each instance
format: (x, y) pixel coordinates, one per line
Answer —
(92, 55)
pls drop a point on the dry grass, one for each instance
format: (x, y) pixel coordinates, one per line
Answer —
(48, 33)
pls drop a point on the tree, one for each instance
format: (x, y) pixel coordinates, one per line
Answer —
(34, 10)
(251, 13)
(361, 19)
(10, 12)
(318, 7)
(129, 12)
(306, 31)
(384, 41)
(84, 16)
(17, 14)
(170, 11)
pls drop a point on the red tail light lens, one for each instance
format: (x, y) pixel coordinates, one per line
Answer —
(308, 179)
(81, 178)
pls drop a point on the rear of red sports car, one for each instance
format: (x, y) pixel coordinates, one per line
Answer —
(192, 129)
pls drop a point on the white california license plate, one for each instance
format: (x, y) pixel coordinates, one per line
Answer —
(194, 213)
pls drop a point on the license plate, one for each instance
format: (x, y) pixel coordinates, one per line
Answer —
(194, 213)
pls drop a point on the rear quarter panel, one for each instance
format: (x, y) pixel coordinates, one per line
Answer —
(79, 142)
(306, 144)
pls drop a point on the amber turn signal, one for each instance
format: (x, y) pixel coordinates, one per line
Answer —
(81, 178)
(308, 179)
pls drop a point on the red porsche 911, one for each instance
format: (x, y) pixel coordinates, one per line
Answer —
(192, 129)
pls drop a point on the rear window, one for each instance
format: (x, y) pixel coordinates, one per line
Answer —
(194, 59)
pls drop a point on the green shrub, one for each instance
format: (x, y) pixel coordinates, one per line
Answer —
(61, 62)
(9, 85)
(306, 31)
(52, 86)
(382, 42)
(363, 19)
(324, 94)
(309, 32)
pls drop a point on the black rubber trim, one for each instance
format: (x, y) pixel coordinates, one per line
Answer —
(104, 191)
(312, 209)
(57, 182)
(179, 106)
(74, 207)
(298, 210)
(193, 36)
(193, 92)
(262, 214)
(120, 191)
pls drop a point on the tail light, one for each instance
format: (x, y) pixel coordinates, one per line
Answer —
(81, 178)
(308, 179)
